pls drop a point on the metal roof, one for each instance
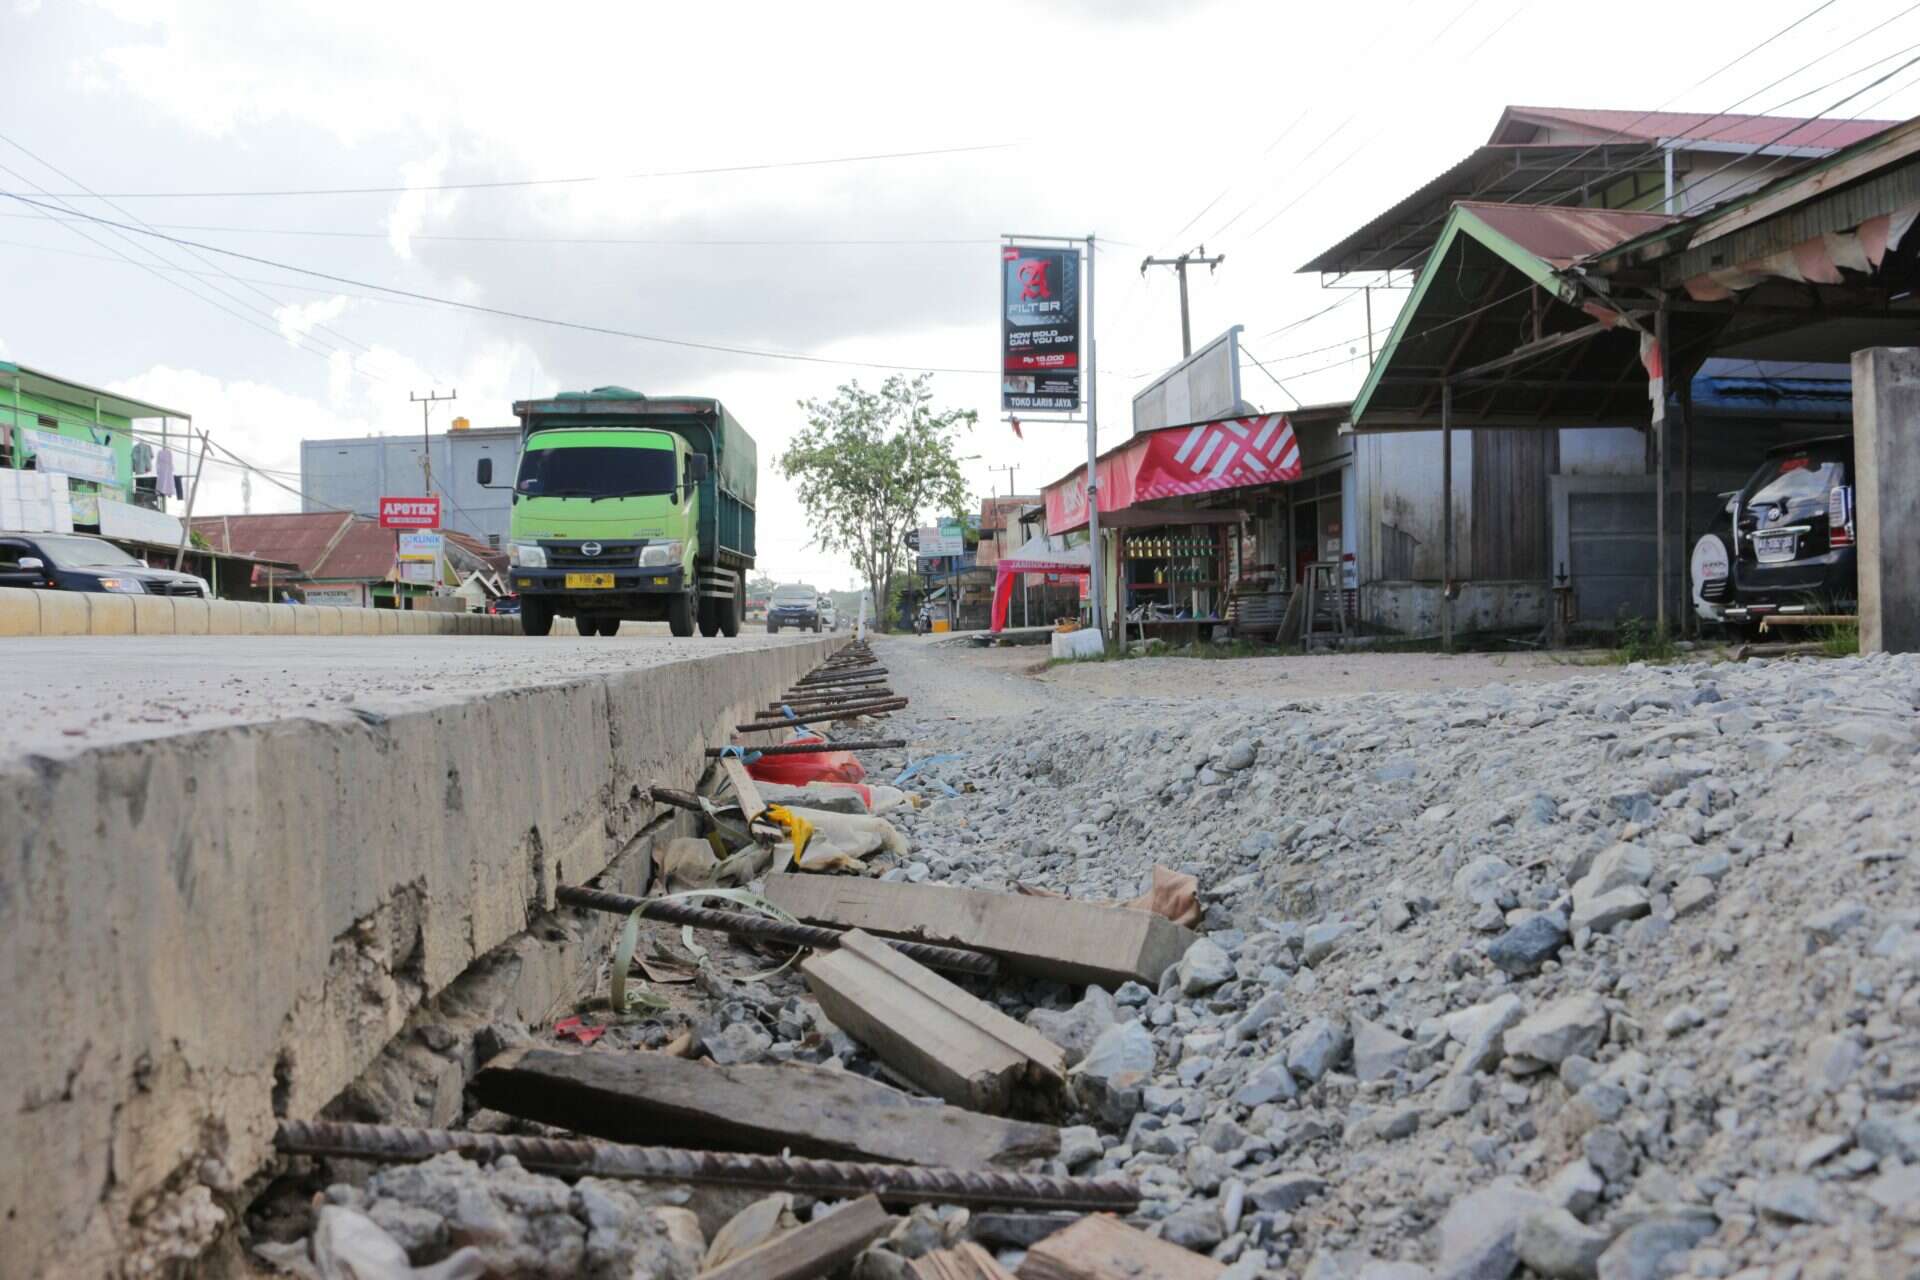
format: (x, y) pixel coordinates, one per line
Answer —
(324, 545)
(1562, 236)
(1523, 124)
(53, 387)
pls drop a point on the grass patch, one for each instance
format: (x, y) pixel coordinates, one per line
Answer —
(1637, 640)
(1840, 641)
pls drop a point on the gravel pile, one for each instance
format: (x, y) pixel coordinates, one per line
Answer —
(1618, 976)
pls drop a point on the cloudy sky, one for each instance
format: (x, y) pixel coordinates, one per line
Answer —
(1265, 129)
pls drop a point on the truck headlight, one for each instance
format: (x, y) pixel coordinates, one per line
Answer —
(659, 554)
(527, 555)
(125, 586)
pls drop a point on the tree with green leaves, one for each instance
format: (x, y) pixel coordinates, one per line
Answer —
(868, 464)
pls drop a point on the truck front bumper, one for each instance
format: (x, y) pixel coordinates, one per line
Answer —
(584, 586)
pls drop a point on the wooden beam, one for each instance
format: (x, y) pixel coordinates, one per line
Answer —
(966, 1261)
(953, 1045)
(1047, 937)
(1104, 1248)
(655, 1100)
(1544, 346)
(751, 805)
(820, 1248)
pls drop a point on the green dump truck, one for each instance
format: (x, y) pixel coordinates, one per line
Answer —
(630, 507)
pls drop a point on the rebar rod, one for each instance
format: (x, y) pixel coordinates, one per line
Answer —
(851, 675)
(740, 924)
(858, 693)
(837, 713)
(831, 704)
(826, 1179)
(811, 748)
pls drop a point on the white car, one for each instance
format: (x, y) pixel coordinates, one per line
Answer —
(829, 617)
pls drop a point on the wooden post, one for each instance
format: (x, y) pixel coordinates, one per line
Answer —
(1446, 516)
(1659, 397)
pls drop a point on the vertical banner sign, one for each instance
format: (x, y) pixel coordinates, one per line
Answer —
(1040, 329)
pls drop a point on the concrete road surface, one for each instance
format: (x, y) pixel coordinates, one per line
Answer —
(61, 694)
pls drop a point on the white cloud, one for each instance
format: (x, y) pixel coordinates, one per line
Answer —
(298, 319)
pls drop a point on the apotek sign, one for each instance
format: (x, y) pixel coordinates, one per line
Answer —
(410, 513)
(1039, 329)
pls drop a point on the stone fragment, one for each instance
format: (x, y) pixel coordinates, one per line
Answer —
(1832, 1059)
(1080, 1145)
(1194, 1226)
(1600, 914)
(1481, 1031)
(1572, 1024)
(1559, 1246)
(1577, 1188)
(1316, 1049)
(1285, 1192)
(1528, 945)
(1323, 940)
(1826, 927)
(1477, 1232)
(1654, 1249)
(1695, 893)
(1075, 1029)
(1791, 1198)
(1269, 1082)
(1377, 1051)
(1480, 881)
(1205, 966)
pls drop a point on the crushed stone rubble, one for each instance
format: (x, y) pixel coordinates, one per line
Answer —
(1614, 977)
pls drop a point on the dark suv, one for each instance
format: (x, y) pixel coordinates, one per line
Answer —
(82, 562)
(1791, 530)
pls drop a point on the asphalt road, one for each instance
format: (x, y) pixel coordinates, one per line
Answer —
(61, 694)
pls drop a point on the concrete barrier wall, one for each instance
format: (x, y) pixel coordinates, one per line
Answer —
(202, 932)
(100, 613)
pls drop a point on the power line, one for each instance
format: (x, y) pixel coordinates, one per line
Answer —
(624, 241)
(505, 313)
(647, 175)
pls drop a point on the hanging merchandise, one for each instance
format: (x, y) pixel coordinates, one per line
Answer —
(163, 471)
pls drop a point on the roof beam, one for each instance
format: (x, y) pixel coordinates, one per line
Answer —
(1530, 350)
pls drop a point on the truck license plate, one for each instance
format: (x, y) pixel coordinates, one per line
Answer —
(1774, 546)
(589, 582)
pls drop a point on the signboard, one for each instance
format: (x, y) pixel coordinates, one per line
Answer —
(1203, 387)
(353, 595)
(125, 520)
(1039, 329)
(410, 513)
(1232, 453)
(60, 456)
(421, 572)
(420, 546)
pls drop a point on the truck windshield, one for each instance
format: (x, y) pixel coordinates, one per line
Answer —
(591, 471)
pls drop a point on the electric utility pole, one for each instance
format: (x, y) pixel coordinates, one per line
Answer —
(1193, 257)
(426, 404)
(1009, 470)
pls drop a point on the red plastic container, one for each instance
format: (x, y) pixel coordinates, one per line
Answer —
(799, 770)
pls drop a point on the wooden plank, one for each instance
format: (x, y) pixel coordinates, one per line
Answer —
(953, 1045)
(967, 1261)
(655, 1100)
(751, 805)
(818, 1249)
(1047, 937)
(1104, 1248)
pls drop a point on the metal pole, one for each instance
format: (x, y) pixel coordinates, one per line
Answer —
(1661, 355)
(825, 1179)
(1094, 592)
(1366, 290)
(186, 523)
(1446, 516)
(1690, 619)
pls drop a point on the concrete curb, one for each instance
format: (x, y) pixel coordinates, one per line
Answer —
(25, 612)
(205, 931)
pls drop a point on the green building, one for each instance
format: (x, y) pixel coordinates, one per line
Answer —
(60, 427)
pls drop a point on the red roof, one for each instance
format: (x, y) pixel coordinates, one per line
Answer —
(325, 545)
(1563, 236)
(1519, 124)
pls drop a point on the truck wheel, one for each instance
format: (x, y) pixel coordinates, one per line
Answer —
(680, 615)
(536, 617)
(609, 626)
(709, 624)
(730, 610)
(586, 624)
